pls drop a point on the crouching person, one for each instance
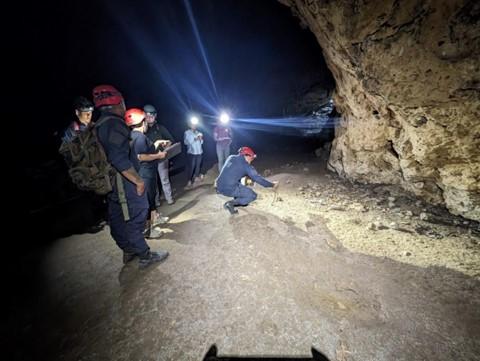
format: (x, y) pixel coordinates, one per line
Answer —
(127, 202)
(229, 181)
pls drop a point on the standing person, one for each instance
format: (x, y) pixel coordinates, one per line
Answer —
(156, 132)
(83, 111)
(148, 157)
(193, 139)
(127, 203)
(222, 134)
(229, 181)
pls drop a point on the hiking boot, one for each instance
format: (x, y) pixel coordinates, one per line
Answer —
(151, 258)
(160, 220)
(230, 207)
(128, 257)
(153, 233)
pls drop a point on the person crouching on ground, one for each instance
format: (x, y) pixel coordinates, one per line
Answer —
(229, 181)
(148, 157)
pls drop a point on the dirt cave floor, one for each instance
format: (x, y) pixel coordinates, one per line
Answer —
(357, 272)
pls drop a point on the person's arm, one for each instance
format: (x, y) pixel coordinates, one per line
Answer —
(115, 141)
(215, 134)
(151, 157)
(132, 175)
(188, 138)
(253, 174)
(68, 135)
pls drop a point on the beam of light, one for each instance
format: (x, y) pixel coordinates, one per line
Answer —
(200, 44)
(196, 95)
(135, 32)
(304, 125)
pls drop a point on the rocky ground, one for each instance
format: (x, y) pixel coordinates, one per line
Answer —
(378, 220)
(358, 273)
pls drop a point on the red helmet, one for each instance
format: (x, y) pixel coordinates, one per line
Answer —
(134, 116)
(247, 151)
(105, 95)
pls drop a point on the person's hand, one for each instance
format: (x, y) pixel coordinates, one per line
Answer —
(167, 143)
(162, 154)
(140, 188)
(157, 143)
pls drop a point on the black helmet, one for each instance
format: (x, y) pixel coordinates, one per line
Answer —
(82, 104)
(148, 108)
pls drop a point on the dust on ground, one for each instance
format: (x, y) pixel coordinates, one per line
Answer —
(321, 263)
(378, 220)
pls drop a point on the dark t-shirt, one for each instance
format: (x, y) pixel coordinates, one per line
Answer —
(157, 132)
(142, 145)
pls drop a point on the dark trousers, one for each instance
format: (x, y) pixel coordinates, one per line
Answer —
(151, 188)
(129, 234)
(194, 165)
(242, 195)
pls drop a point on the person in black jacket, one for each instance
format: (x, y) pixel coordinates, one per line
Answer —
(158, 133)
(127, 203)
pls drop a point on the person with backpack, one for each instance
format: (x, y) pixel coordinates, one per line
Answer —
(156, 132)
(83, 111)
(127, 202)
(148, 157)
(229, 184)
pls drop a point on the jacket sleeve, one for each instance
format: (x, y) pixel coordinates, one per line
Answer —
(253, 174)
(187, 138)
(115, 141)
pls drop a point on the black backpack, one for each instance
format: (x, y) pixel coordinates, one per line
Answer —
(88, 166)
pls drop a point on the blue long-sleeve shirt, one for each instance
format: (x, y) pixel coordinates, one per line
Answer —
(193, 141)
(236, 167)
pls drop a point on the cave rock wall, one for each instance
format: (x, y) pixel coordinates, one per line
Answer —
(408, 87)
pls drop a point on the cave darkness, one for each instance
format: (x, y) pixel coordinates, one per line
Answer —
(258, 57)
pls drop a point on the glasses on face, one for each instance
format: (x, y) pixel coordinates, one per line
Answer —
(151, 115)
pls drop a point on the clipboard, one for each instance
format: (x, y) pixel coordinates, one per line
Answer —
(173, 150)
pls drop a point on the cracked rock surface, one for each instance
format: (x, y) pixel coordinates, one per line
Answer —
(407, 85)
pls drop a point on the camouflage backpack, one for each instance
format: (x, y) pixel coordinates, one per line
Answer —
(88, 166)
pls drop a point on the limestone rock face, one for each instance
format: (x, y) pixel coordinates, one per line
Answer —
(408, 87)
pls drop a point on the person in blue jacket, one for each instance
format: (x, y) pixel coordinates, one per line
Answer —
(127, 202)
(83, 111)
(229, 181)
(148, 155)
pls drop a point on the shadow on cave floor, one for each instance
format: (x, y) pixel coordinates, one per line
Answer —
(278, 279)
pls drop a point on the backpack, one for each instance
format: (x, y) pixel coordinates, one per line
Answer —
(88, 166)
